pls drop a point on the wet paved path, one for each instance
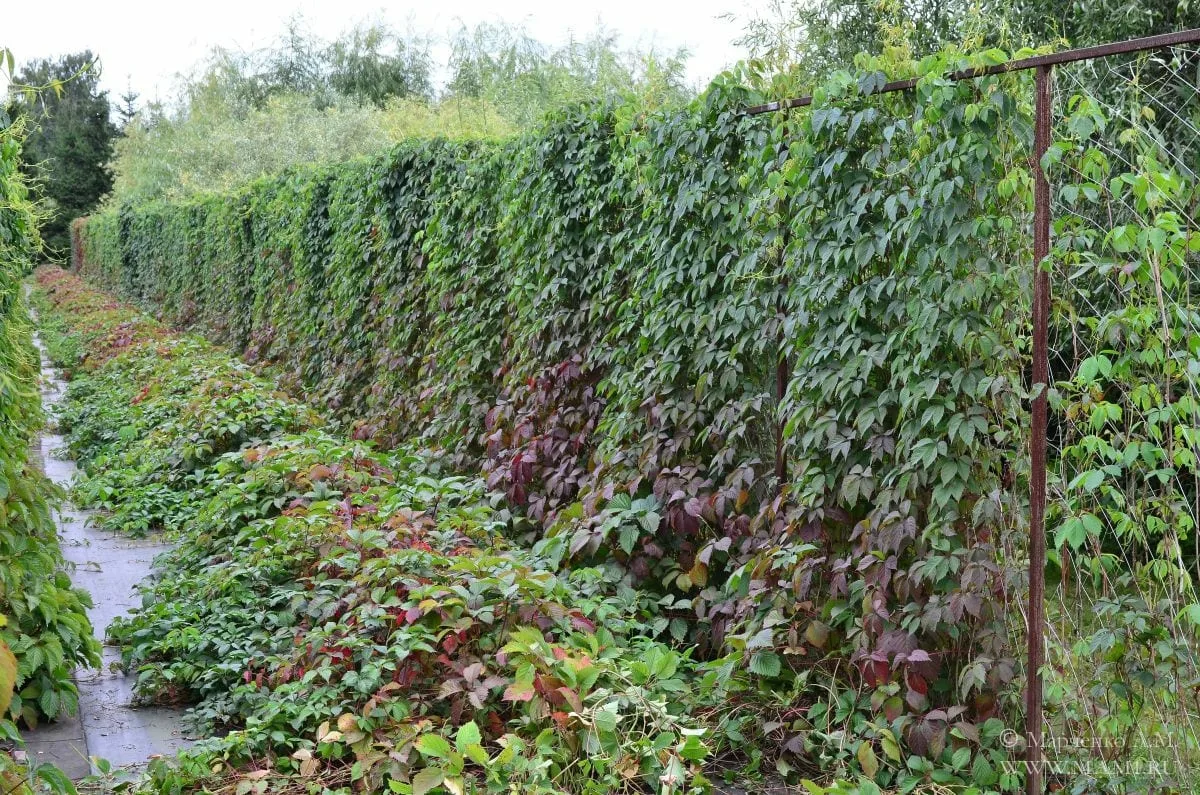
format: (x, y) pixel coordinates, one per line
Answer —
(107, 566)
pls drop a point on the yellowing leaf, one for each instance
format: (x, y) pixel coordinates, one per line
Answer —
(891, 748)
(817, 634)
(427, 779)
(868, 760)
(8, 676)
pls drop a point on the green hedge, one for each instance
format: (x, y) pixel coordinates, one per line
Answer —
(602, 301)
(599, 309)
(420, 290)
(596, 313)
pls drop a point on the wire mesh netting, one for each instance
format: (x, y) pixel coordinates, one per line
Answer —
(1122, 698)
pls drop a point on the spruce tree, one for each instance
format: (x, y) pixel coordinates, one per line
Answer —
(69, 142)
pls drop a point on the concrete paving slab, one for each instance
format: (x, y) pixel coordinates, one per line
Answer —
(117, 732)
(109, 567)
(61, 730)
(69, 756)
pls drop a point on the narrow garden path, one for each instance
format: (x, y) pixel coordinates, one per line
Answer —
(108, 566)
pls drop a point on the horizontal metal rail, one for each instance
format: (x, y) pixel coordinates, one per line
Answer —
(1066, 56)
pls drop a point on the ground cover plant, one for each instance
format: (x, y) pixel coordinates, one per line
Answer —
(146, 431)
(762, 381)
(349, 615)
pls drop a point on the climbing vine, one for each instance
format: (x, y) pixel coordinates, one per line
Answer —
(771, 370)
(44, 629)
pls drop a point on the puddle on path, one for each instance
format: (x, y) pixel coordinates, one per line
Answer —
(107, 566)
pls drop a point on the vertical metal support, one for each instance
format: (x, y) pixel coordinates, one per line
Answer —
(782, 369)
(782, 376)
(1034, 784)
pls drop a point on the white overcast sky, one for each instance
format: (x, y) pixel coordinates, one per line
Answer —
(148, 43)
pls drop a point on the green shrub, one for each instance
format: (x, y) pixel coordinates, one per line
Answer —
(43, 620)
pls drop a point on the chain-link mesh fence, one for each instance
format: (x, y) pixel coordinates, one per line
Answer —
(1122, 698)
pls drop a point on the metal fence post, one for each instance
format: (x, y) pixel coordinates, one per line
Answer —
(782, 369)
(1037, 443)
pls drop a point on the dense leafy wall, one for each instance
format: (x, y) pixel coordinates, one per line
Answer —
(596, 314)
(419, 291)
(44, 630)
(632, 322)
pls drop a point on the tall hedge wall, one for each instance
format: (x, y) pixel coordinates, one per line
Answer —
(602, 307)
(632, 321)
(458, 293)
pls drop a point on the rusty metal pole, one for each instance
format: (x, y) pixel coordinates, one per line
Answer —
(782, 376)
(1034, 784)
(782, 369)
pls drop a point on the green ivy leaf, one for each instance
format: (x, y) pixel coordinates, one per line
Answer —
(765, 663)
(433, 745)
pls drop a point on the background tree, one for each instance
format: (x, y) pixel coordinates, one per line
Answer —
(1098, 21)
(816, 37)
(303, 99)
(127, 107)
(524, 78)
(369, 64)
(69, 142)
(373, 63)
